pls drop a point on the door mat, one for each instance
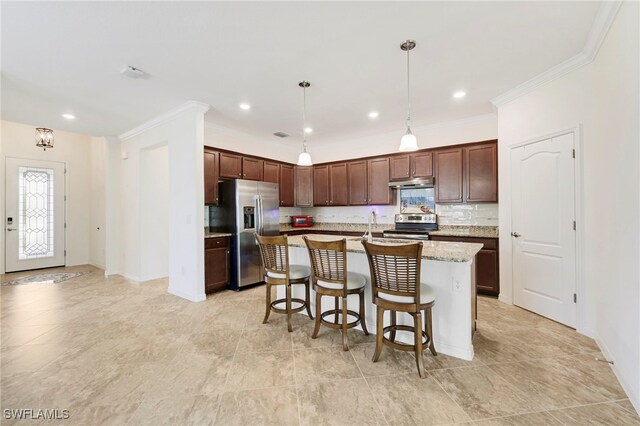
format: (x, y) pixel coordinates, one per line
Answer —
(48, 278)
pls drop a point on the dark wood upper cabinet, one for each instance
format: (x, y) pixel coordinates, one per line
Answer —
(252, 168)
(304, 186)
(210, 178)
(286, 179)
(481, 163)
(422, 164)
(449, 175)
(378, 181)
(321, 185)
(400, 167)
(338, 184)
(230, 166)
(271, 172)
(358, 188)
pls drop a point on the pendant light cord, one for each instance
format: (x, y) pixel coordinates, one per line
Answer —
(304, 118)
(408, 92)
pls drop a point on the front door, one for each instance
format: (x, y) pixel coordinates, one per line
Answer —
(34, 216)
(542, 225)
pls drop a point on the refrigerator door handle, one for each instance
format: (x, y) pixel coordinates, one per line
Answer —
(261, 213)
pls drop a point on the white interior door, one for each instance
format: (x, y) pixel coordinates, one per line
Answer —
(542, 225)
(34, 228)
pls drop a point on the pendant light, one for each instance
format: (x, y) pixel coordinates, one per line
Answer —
(408, 141)
(305, 158)
(44, 138)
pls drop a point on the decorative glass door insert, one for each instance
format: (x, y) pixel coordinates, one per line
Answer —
(36, 213)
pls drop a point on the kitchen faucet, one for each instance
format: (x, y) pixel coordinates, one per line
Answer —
(371, 218)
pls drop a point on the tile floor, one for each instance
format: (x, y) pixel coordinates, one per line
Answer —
(117, 352)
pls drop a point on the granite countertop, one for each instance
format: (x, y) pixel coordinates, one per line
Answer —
(338, 227)
(215, 234)
(466, 231)
(432, 250)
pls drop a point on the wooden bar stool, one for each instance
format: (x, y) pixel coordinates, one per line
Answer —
(330, 278)
(395, 279)
(275, 259)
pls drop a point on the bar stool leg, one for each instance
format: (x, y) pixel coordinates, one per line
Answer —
(307, 299)
(337, 307)
(392, 335)
(363, 320)
(266, 314)
(289, 308)
(345, 346)
(417, 323)
(379, 333)
(429, 323)
(318, 316)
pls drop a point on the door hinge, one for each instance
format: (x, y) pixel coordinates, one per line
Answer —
(574, 225)
(65, 225)
(65, 198)
(573, 153)
(65, 171)
(65, 253)
(575, 298)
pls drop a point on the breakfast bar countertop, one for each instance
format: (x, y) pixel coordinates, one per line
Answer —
(216, 234)
(432, 250)
(466, 231)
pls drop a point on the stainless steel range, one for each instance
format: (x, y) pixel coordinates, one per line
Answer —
(413, 226)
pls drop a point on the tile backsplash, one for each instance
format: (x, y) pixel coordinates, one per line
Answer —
(468, 214)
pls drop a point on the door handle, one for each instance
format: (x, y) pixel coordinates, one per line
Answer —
(11, 229)
(515, 234)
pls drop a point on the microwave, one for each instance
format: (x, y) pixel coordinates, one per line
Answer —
(301, 221)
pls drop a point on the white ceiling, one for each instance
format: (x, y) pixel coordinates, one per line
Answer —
(60, 57)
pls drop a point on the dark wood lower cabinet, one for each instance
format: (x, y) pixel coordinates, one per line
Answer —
(487, 263)
(216, 264)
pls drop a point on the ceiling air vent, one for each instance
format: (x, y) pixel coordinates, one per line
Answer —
(281, 134)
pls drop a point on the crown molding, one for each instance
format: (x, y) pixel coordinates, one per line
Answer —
(167, 116)
(599, 29)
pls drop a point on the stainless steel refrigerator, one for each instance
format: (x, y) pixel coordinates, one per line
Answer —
(246, 208)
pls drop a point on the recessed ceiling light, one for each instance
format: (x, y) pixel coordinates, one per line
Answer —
(373, 114)
(245, 106)
(308, 130)
(460, 94)
(69, 116)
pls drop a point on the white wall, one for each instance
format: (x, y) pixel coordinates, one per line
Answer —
(472, 129)
(182, 130)
(76, 151)
(97, 222)
(604, 97)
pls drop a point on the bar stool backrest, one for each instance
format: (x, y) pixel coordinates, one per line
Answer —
(328, 261)
(275, 256)
(395, 269)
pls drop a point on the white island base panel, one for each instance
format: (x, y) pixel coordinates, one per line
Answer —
(453, 312)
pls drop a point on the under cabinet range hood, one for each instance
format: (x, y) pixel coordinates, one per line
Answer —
(414, 183)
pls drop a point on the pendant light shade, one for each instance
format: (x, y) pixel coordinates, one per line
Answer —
(44, 138)
(409, 142)
(305, 158)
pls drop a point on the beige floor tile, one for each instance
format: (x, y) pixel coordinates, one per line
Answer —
(265, 338)
(342, 402)
(482, 393)
(532, 419)
(106, 415)
(324, 364)
(193, 410)
(29, 358)
(272, 406)
(390, 362)
(254, 370)
(627, 405)
(17, 336)
(219, 341)
(408, 399)
(445, 361)
(598, 414)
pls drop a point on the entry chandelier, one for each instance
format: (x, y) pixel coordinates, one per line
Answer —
(44, 138)
(408, 141)
(305, 158)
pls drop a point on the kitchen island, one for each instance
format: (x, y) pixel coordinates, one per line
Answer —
(447, 267)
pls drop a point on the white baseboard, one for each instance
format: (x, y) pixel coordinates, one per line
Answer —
(505, 299)
(628, 389)
(131, 277)
(192, 297)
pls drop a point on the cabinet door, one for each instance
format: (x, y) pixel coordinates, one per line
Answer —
(358, 188)
(210, 178)
(379, 191)
(271, 172)
(304, 186)
(449, 175)
(482, 173)
(230, 166)
(216, 264)
(252, 168)
(286, 185)
(338, 184)
(321, 185)
(400, 167)
(487, 272)
(422, 164)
